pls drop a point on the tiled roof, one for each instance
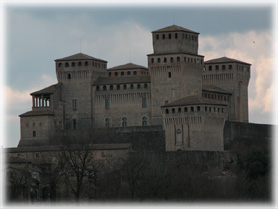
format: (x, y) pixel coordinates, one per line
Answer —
(192, 100)
(128, 66)
(215, 89)
(122, 80)
(37, 113)
(79, 56)
(48, 90)
(225, 60)
(174, 28)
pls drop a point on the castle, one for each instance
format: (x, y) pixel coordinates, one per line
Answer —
(190, 98)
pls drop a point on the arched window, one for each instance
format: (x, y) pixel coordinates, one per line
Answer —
(185, 109)
(124, 122)
(152, 60)
(73, 64)
(230, 67)
(110, 74)
(135, 73)
(192, 109)
(69, 76)
(163, 36)
(176, 36)
(131, 86)
(107, 122)
(104, 88)
(216, 67)
(111, 87)
(198, 108)
(144, 121)
(138, 86)
(97, 88)
(158, 60)
(169, 36)
(157, 37)
(223, 67)
(171, 59)
(122, 73)
(86, 63)
(173, 110)
(67, 64)
(210, 68)
(145, 86)
(118, 87)
(128, 72)
(169, 74)
(124, 86)
(178, 59)
(79, 63)
(165, 59)
(144, 101)
(179, 110)
(116, 74)
(167, 111)
(60, 65)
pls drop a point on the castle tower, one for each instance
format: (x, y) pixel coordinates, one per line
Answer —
(232, 75)
(77, 73)
(175, 67)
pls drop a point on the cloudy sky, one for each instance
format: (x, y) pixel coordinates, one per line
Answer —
(36, 35)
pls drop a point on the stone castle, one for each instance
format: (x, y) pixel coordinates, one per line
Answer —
(189, 98)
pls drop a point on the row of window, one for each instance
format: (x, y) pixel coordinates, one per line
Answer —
(192, 109)
(217, 67)
(124, 122)
(178, 59)
(216, 97)
(124, 86)
(176, 36)
(144, 102)
(86, 63)
(34, 124)
(127, 73)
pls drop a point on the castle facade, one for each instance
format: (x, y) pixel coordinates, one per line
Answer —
(190, 98)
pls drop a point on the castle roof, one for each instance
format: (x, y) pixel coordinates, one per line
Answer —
(215, 89)
(48, 90)
(173, 28)
(128, 66)
(225, 60)
(122, 80)
(193, 100)
(37, 113)
(79, 56)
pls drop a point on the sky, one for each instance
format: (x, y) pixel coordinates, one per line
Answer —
(35, 35)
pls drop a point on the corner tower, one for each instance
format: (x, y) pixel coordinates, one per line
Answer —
(175, 67)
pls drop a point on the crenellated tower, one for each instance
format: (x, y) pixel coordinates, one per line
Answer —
(175, 67)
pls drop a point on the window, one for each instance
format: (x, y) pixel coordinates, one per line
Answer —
(97, 88)
(171, 59)
(74, 104)
(73, 64)
(216, 67)
(178, 59)
(67, 64)
(158, 60)
(169, 74)
(145, 86)
(110, 74)
(74, 123)
(69, 76)
(163, 36)
(124, 86)
(230, 67)
(118, 87)
(176, 36)
(179, 110)
(165, 59)
(34, 133)
(184, 59)
(122, 73)
(111, 87)
(157, 37)
(192, 109)
(223, 67)
(79, 63)
(37, 155)
(86, 63)
(166, 102)
(131, 86)
(144, 101)
(107, 104)
(124, 122)
(178, 137)
(152, 60)
(104, 88)
(116, 73)
(185, 36)
(144, 121)
(138, 86)
(167, 111)
(135, 73)
(173, 110)
(198, 108)
(185, 109)
(169, 36)
(60, 65)
(107, 122)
